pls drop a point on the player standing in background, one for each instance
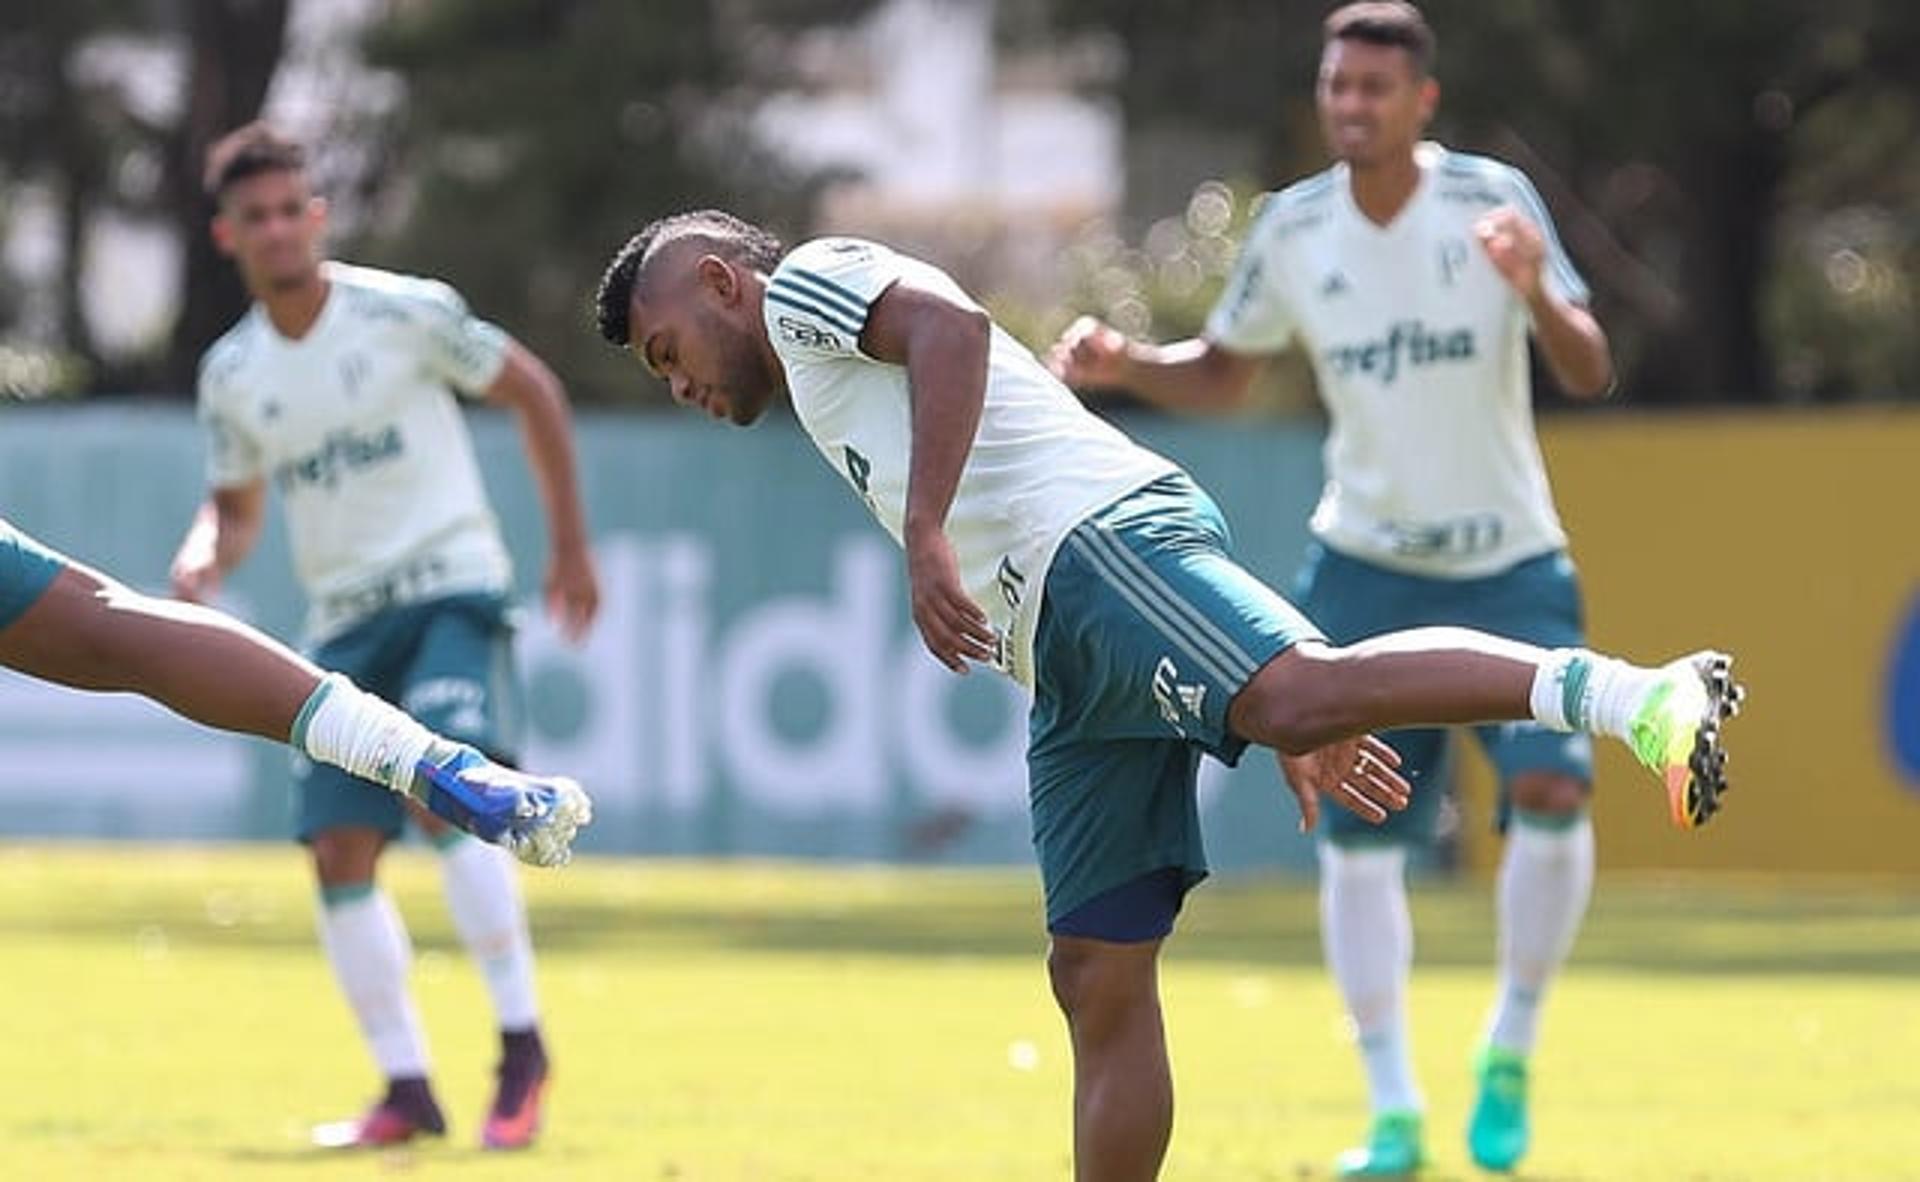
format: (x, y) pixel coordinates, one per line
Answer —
(1041, 540)
(1412, 276)
(65, 623)
(339, 385)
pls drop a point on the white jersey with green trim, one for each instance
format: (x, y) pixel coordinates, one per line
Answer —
(1420, 350)
(357, 426)
(1040, 462)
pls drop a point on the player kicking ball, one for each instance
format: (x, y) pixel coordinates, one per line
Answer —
(1042, 541)
(65, 623)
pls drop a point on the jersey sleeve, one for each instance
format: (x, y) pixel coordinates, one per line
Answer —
(233, 454)
(462, 349)
(1557, 271)
(819, 296)
(1251, 315)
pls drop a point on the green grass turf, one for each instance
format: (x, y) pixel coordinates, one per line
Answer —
(167, 1015)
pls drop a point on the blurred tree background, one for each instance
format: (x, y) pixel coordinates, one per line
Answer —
(539, 134)
(1734, 176)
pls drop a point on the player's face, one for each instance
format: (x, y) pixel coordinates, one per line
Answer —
(694, 330)
(271, 225)
(1374, 102)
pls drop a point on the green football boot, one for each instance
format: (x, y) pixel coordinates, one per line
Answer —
(1676, 733)
(1392, 1149)
(1497, 1132)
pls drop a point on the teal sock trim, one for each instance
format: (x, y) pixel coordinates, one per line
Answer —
(297, 739)
(1573, 691)
(1363, 840)
(1492, 1055)
(446, 841)
(345, 893)
(1549, 822)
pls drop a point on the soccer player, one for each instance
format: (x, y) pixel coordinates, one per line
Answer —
(1042, 541)
(66, 623)
(1412, 275)
(339, 385)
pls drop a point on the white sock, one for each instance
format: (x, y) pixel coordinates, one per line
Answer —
(367, 945)
(1545, 880)
(1368, 936)
(344, 725)
(483, 893)
(1576, 689)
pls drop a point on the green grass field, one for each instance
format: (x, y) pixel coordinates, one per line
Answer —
(168, 1016)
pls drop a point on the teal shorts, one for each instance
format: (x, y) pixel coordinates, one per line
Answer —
(1148, 630)
(449, 663)
(1536, 600)
(27, 569)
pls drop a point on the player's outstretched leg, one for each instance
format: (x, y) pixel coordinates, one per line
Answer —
(89, 632)
(1672, 717)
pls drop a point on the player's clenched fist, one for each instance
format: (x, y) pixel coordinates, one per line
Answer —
(1514, 246)
(1090, 354)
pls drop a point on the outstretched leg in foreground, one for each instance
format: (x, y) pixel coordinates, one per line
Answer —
(88, 632)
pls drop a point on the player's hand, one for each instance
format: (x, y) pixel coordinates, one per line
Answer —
(572, 592)
(1360, 775)
(195, 575)
(1091, 354)
(1515, 247)
(952, 625)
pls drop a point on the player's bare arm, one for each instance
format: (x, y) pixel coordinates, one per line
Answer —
(1573, 342)
(944, 346)
(223, 532)
(1196, 376)
(534, 393)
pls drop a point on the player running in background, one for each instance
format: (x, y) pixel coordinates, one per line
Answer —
(1041, 540)
(63, 622)
(1412, 276)
(339, 385)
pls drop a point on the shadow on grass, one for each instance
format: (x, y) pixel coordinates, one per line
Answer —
(1635, 925)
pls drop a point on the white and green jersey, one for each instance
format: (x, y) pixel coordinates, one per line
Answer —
(356, 424)
(1420, 349)
(1040, 461)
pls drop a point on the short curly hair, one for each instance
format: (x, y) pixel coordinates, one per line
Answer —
(250, 151)
(1392, 23)
(723, 233)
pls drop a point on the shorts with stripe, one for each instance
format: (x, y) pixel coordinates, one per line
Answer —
(1148, 630)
